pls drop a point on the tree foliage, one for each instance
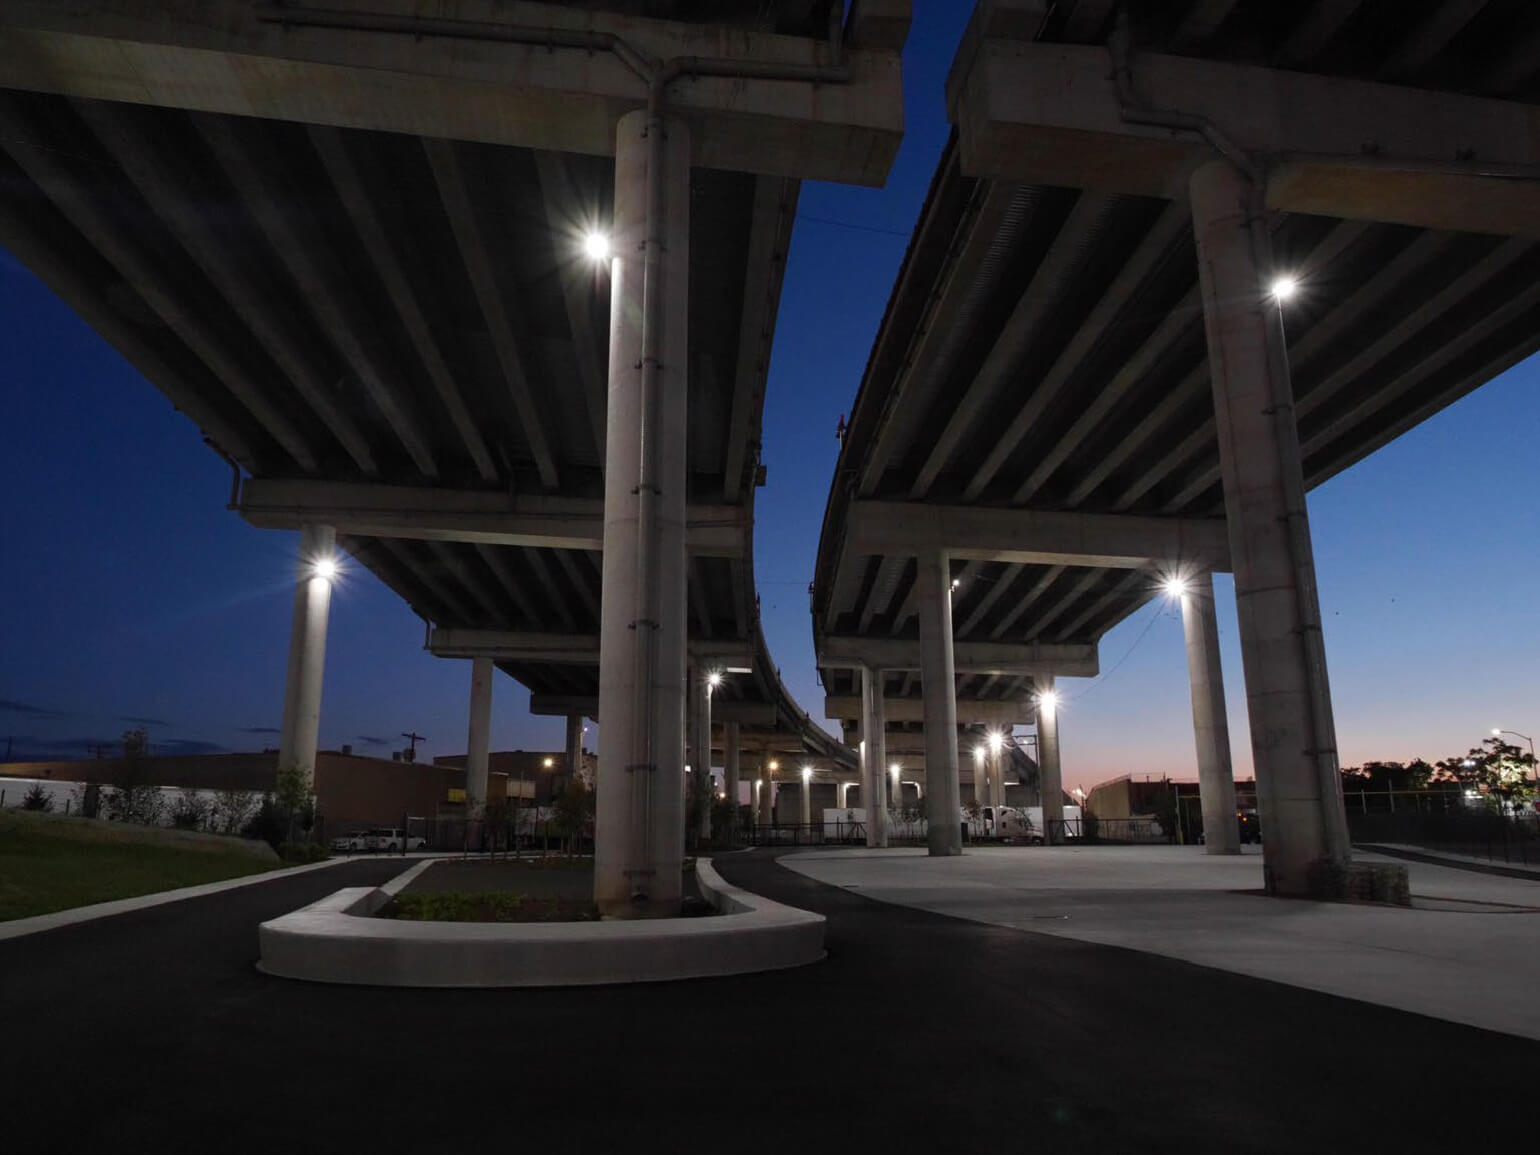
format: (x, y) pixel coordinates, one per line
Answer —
(574, 811)
(1499, 773)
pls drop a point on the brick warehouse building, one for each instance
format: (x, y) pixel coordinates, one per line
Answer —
(352, 790)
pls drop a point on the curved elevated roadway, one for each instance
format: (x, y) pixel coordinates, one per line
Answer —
(1037, 422)
(348, 243)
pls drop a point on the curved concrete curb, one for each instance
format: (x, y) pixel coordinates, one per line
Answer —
(335, 941)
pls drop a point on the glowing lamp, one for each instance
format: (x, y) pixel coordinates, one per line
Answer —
(596, 246)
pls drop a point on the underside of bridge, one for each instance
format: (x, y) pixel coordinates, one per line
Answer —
(1040, 409)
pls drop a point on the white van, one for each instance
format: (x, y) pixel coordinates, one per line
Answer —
(389, 839)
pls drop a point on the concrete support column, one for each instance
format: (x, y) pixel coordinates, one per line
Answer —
(1211, 729)
(730, 772)
(766, 795)
(639, 834)
(996, 760)
(1293, 735)
(840, 790)
(1050, 777)
(874, 789)
(938, 676)
(700, 749)
(479, 738)
(575, 746)
(895, 793)
(307, 650)
(807, 798)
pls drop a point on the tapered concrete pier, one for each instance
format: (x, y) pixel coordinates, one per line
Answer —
(874, 730)
(1050, 777)
(730, 773)
(639, 836)
(307, 650)
(478, 740)
(1293, 737)
(1210, 727)
(938, 679)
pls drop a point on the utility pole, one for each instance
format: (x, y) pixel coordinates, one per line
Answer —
(412, 737)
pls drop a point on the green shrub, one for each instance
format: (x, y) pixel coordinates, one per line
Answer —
(37, 798)
(267, 824)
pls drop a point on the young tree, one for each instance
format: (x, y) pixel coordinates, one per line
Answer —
(574, 812)
(134, 798)
(37, 798)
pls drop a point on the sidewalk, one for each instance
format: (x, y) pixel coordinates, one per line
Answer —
(1465, 952)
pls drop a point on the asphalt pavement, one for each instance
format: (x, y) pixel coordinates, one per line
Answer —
(152, 1031)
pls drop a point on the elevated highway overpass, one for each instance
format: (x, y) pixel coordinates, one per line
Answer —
(484, 297)
(1085, 385)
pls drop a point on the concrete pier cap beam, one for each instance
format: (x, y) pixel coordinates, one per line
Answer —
(1052, 114)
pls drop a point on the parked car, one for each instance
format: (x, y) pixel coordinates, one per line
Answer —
(388, 839)
(352, 842)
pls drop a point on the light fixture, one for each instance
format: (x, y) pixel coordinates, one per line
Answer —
(1048, 700)
(549, 762)
(893, 769)
(596, 245)
(1283, 288)
(1175, 586)
(956, 582)
(714, 679)
(1496, 733)
(325, 568)
(774, 765)
(807, 773)
(996, 740)
(978, 753)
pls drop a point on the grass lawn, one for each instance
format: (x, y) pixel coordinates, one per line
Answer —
(49, 862)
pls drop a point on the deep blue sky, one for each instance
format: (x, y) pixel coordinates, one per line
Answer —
(128, 591)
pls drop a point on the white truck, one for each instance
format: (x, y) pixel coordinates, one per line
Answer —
(1023, 823)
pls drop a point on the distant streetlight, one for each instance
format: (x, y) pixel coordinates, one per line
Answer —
(1283, 287)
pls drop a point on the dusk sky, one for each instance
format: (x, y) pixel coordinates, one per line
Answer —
(131, 596)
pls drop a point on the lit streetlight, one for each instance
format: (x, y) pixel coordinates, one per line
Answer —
(596, 245)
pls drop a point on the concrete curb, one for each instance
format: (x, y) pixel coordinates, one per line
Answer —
(37, 923)
(335, 941)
